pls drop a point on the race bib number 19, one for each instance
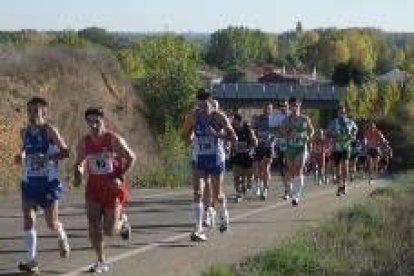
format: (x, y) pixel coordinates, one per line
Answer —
(101, 163)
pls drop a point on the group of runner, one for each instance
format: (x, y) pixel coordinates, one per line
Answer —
(283, 135)
(101, 154)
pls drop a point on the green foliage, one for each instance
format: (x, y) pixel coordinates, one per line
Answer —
(388, 97)
(234, 74)
(218, 270)
(170, 78)
(173, 171)
(69, 38)
(24, 38)
(130, 63)
(240, 46)
(399, 128)
(99, 36)
(373, 238)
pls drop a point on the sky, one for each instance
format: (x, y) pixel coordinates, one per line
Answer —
(205, 15)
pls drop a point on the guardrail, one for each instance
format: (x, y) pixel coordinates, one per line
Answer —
(259, 91)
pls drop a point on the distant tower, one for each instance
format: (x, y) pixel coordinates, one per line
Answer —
(299, 28)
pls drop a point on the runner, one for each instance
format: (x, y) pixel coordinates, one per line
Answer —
(106, 158)
(319, 147)
(264, 149)
(297, 129)
(210, 128)
(40, 183)
(375, 139)
(242, 161)
(342, 130)
(386, 156)
(281, 144)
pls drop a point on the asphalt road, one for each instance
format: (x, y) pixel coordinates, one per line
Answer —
(161, 224)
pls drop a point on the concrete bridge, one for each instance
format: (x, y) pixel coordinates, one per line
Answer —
(254, 95)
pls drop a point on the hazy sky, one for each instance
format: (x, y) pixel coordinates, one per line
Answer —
(205, 15)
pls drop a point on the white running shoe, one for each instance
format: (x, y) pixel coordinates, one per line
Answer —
(263, 195)
(64, 248)
(224, 222)
(99, 267)
(209, 217)
(198, 237)
(125, 228)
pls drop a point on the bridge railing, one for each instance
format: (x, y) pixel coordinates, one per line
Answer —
(322, 92)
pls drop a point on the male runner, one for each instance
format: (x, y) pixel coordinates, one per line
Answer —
(342, 130)
(297, 129)
(106, 158)
(210, 129)
(264, 149)
(319, 146)
(242, 160)
(40, 183)
(375, 139)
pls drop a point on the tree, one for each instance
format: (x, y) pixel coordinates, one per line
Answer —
(170, 78)
(388, 96)
(70, 38)
(99, 36)
(240, 46)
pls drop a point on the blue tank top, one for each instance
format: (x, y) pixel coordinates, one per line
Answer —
(35, 146)
(263, 131)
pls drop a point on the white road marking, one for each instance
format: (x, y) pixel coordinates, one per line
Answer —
(151, 246)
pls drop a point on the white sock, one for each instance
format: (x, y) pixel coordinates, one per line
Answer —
(61, 232)
(198, 210)
(222, 210)
(30, 242)
(297, 187)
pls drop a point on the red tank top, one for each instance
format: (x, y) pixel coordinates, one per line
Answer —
(101, 161)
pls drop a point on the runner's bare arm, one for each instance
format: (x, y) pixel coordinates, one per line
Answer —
(187, 129)
(18, 158)
(311, 130)
(253, 138)
(80, 158)
(230, 134)
(57, 139)
(122, 148)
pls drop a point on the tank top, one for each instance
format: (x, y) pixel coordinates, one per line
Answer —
(297, 127)
(205, 144)
(100, 159)
(264, 135)
(244, 142)
(35, 148)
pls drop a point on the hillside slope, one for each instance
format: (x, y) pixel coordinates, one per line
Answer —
(71, 80)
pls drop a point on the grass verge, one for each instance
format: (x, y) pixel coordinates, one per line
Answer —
(371, 238)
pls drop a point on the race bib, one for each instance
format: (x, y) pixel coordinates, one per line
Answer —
(297, 140)
(36, 165)
(101, 163)
(206, 145)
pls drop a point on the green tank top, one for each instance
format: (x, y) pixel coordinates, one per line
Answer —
(297, 128)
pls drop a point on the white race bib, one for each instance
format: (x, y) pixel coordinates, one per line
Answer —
(101, 163)
(206, 145)
(36, 165)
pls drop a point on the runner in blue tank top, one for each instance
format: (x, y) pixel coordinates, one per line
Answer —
(40, 183)
(207, 130)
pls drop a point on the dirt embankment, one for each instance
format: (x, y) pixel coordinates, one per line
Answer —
(71, 80)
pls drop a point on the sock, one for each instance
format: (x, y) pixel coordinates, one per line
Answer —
(297, 187)
(198, 210)
(222, 210)
(30, 242)
(61, 231)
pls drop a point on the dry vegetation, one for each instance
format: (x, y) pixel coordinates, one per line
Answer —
(71, 80)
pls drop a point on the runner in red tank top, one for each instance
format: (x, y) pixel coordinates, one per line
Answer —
(106, 158)
(319, 147)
